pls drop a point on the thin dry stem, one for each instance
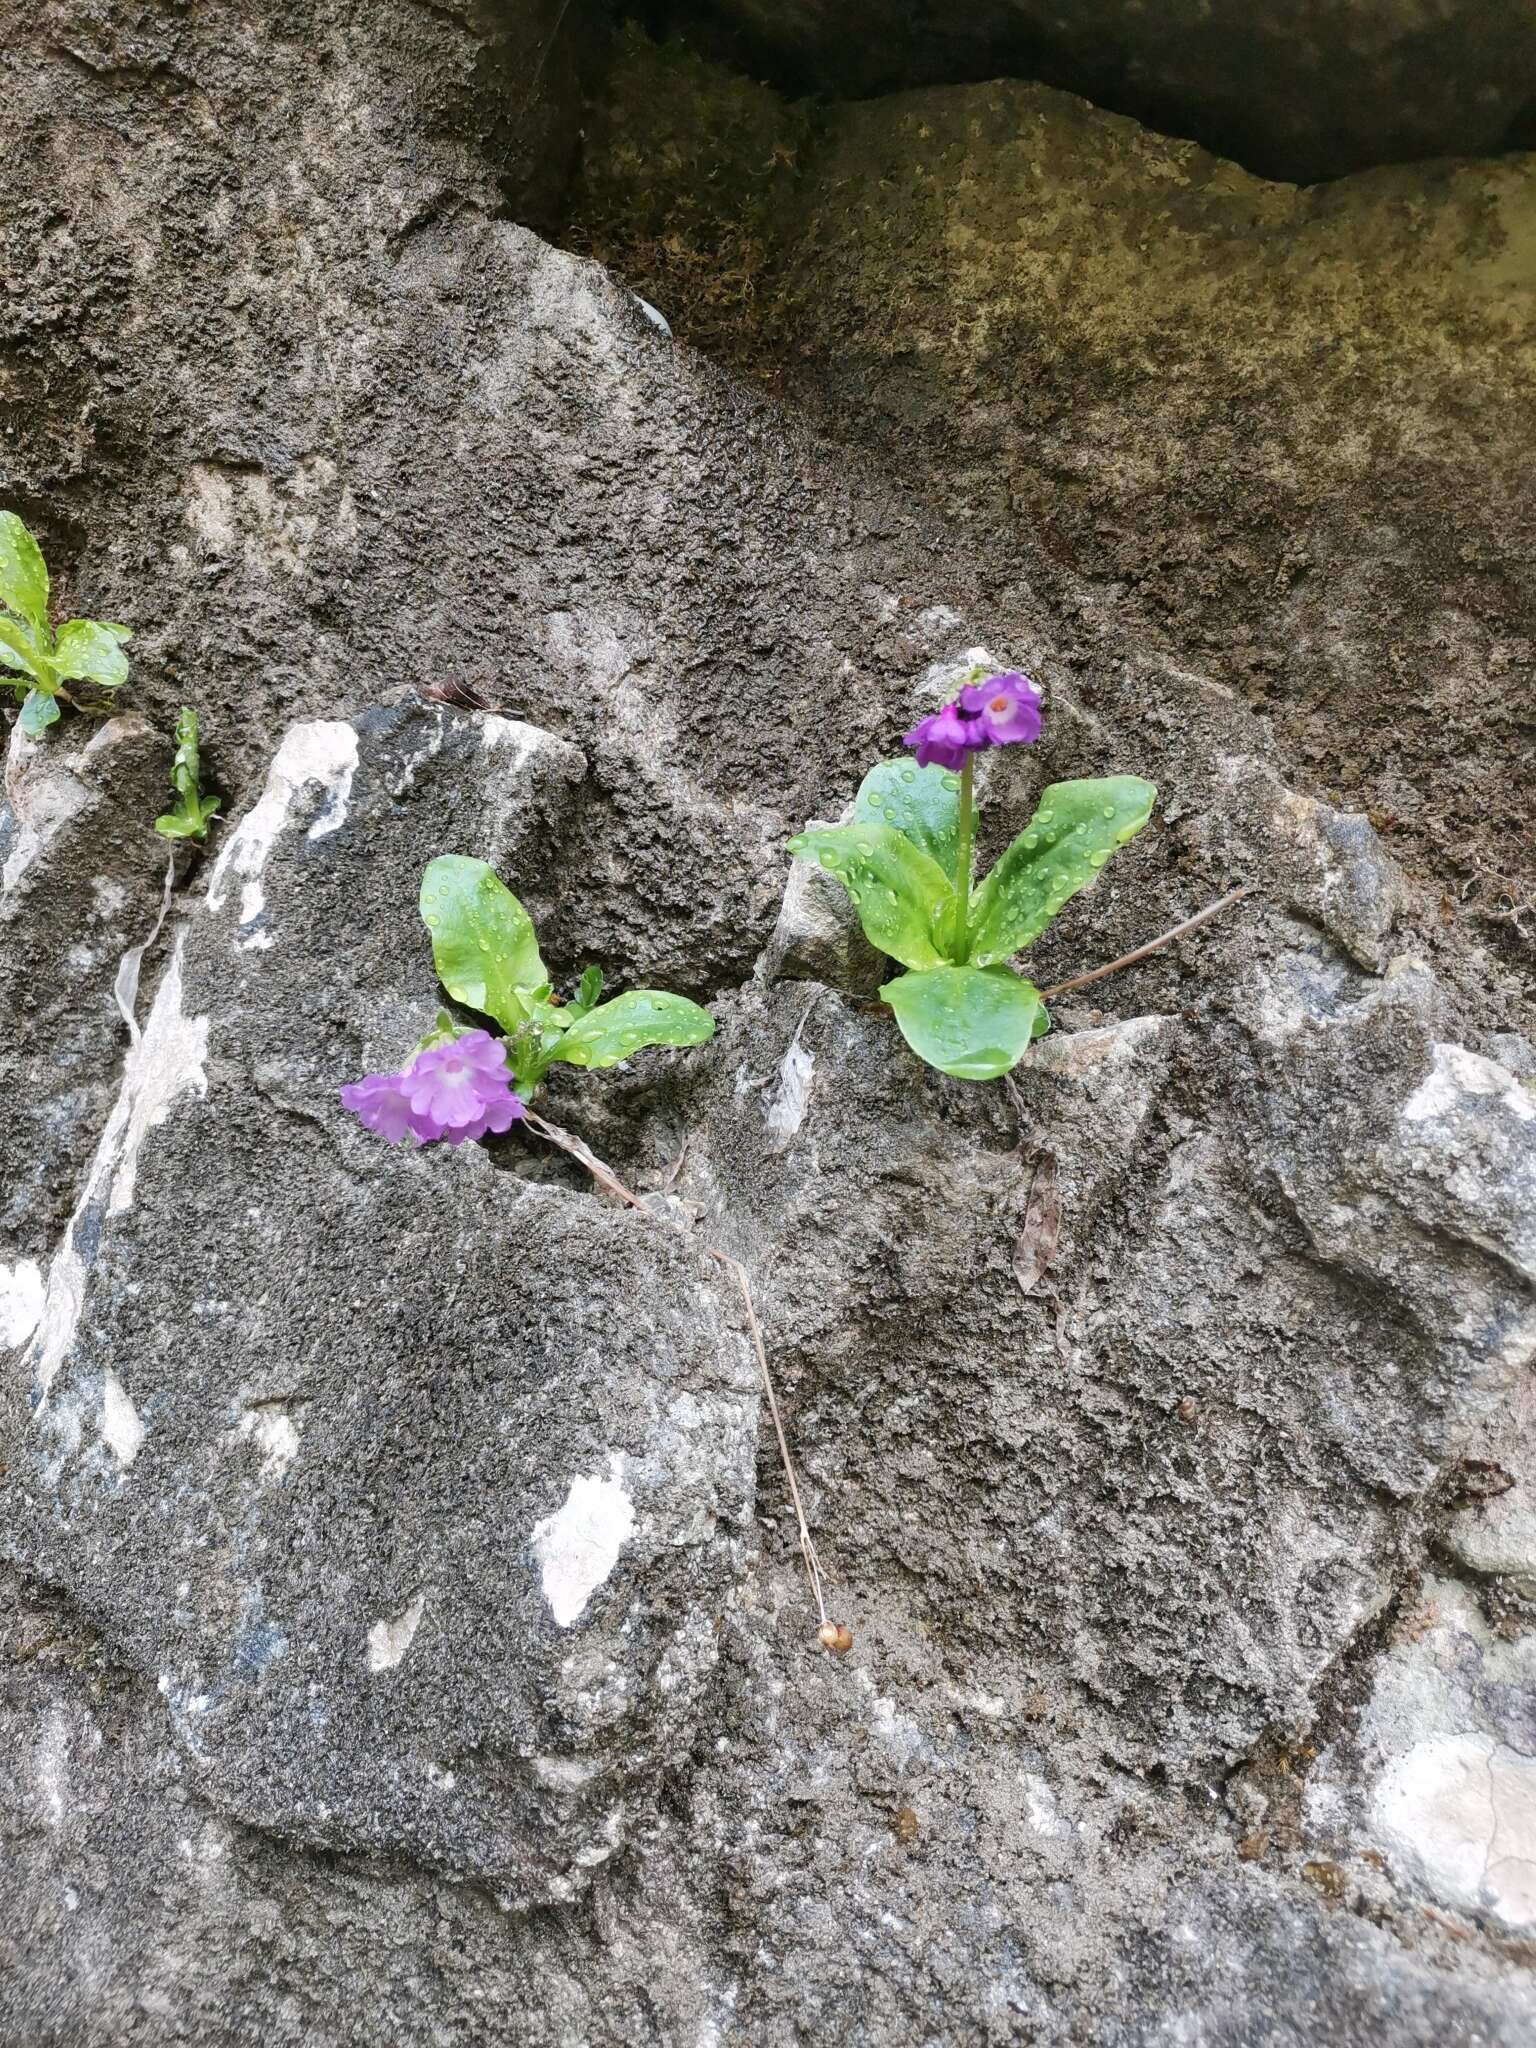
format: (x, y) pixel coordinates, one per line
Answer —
(607, 1178)
(1129, 959)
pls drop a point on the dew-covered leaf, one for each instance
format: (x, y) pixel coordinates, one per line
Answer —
(922, 804)
(23, 573)
(972, 1022)
(1062, 849)
(19, 648)
(39, 710)
(483, 942)
(87, 653)
(632, 1021)
(901, 894)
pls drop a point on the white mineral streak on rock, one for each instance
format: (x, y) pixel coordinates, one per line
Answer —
(791, 1097)
(1455, 1073)
(43, 796)
(1460, 1812)
(524, 740)
(578, 1546)
(109, 897)
(941, 679)
(565, 1773)
(167, 1061)
(652, 313)
(273, 1432)
(121, 1430)
(388, 1640)
(125, 986)
(21, 1302)
(52, 1768)
(323, 752)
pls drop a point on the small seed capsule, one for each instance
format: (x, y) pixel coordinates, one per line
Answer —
(835, 1636)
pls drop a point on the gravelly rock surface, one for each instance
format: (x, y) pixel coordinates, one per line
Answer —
(402, 1634)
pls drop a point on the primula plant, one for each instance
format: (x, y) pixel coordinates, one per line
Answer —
(83, 651)
(463, 1083)
(906, 861)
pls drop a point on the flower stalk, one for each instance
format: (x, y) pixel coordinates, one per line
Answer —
(966, 838)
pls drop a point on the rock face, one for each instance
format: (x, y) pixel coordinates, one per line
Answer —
(410, 1494)
(1187, 1486)
(1304, 91)
(402, 1637)
(428, 1552)
(1285, 432)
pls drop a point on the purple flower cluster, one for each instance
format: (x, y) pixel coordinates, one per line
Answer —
(455, 1091)
(993, 713)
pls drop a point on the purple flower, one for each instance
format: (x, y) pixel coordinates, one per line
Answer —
(457, 1091)
(1008, 707)
(991, 713)
(380, 1103)
(945, 739)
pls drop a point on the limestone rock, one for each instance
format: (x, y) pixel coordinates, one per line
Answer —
(413, 1485)
(1443, 1746)
(818, 937)
(431, 1486)
(1133, 1536)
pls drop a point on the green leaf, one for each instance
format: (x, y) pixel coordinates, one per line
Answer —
(117, 632)
(38, 712)
(972, 1022)
(191, 820)
(19, 648)
(186, 767)
(1062, 849)
(483, 942)
(639, 1017)
(87, 653)
(922, 804)
(901, 894)
(591, 987)
(23, 573)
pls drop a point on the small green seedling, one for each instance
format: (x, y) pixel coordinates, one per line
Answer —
(83, 651)
(190, 818)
